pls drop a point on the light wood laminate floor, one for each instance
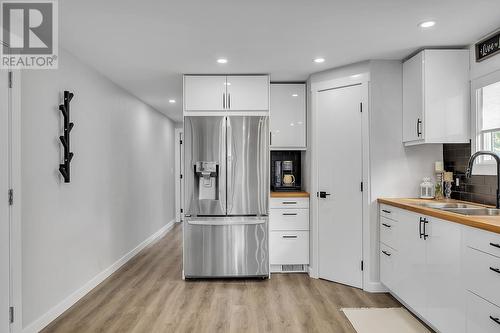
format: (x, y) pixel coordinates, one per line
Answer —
(148, 295)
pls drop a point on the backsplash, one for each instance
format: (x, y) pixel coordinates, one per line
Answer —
(479, 189)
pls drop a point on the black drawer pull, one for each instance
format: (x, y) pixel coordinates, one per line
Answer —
(386, 225)
(495, 319)
(386, 253)
(289, 236)
(289, 202)
(386, 211)
(496, 270)
(289, 214)
(495, 245)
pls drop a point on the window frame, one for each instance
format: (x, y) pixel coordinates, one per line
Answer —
(481, 167)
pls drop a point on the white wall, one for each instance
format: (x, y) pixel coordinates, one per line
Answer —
(122, 184)
(396, 170)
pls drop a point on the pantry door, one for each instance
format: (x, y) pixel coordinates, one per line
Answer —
(340, 174)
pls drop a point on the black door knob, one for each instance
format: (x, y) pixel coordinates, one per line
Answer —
(323, 194)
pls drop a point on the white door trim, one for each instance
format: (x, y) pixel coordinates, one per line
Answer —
(15, 211)
(364, 80)
(179, 167)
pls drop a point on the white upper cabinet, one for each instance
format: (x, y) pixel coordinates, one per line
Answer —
(204, 93)
(247, 93)
(436, 97)
(226, 93)
(288, 116)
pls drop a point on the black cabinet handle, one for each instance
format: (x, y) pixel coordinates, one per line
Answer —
(495, 245)
(419, 132)
(386, 253)
(289, 236)
(386, 211)
(495, 319)
(289, 202)
(289, 214)
(420, 228)
(386, 225)
(496, 270)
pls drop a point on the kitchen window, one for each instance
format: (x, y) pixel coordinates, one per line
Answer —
(486, 103)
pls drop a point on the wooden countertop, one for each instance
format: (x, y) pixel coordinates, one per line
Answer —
(488, 223)
(300, 194)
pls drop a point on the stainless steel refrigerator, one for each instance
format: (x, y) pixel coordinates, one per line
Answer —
(226, 181)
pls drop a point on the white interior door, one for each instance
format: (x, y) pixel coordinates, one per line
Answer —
(4, 205)
(340, 176)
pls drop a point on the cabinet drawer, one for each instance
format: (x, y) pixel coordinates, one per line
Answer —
(388, 269)
(388, 232)
(288, 247)
(482, 316)
(482, 274)
(485, 241)
(289, 203)
(289, 219)
(388, 212)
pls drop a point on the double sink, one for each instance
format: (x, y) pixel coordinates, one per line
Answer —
(462, 208)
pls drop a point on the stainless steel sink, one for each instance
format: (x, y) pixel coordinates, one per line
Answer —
(443, 205)
(474, 211)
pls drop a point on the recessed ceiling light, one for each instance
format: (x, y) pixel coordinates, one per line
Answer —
(427, 24)
(295, 95)
(171, 101)
(222, 61)
(319, 60)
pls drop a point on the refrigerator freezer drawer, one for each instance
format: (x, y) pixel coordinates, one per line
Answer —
(226, 247)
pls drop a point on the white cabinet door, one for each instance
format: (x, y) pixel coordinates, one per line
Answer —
(204, 93)
(248, 93)
(445, 292)
(446, 92)
(288, 116)
(388, 267)
(411, 263)
(413, 98)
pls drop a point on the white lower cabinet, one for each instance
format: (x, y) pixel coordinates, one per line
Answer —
(424, 269)
(289, 247)
(482, 316)
(289, 234)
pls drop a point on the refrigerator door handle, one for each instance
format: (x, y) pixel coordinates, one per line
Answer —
(226, 223)
(223, 165)
(230, 159)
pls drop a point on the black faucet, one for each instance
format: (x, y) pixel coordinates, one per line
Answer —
(468, 173)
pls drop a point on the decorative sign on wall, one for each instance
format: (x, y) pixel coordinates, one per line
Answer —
(488, 47)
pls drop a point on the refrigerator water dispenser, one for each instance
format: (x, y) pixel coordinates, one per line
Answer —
(207, 173)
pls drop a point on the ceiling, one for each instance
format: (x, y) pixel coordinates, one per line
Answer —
(145, 46)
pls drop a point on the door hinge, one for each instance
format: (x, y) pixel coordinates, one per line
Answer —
(360, 107)
(362, 265)
(361, 186)
(11, 314)
(11, 197)
(180, 141)
(10, 79)
(182, 210)
(181, 176)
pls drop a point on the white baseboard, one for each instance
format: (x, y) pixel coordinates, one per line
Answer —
(375, 287)
(59, 309)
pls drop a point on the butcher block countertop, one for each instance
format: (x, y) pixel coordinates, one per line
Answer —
(488, 223)
(300, 194)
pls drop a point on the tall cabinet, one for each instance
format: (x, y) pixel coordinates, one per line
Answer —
(436, 97)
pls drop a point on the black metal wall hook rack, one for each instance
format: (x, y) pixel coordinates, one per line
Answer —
(64, 168)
